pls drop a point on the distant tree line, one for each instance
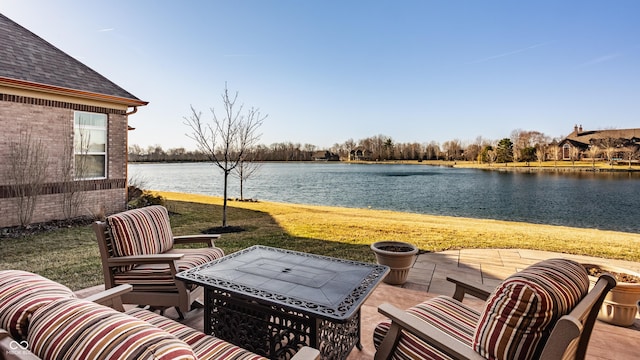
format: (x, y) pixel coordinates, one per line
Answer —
(520, 146)
(381, 148)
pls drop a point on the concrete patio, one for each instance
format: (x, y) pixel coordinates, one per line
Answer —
(488, 266)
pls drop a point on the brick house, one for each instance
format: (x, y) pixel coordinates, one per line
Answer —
(579, 141)
(80, 117)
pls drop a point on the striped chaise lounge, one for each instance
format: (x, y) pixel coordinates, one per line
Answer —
(41, 319)
(545, 311)
(137, 248)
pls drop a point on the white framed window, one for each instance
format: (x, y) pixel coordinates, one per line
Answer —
(90, 145)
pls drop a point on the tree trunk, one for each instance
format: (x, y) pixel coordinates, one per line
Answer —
(224, 200)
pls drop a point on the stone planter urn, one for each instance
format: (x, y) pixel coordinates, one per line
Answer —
(398, 256)
(621, 303)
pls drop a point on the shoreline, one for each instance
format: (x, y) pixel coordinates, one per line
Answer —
(431, 233)
(213, 199)
(554, 169)
(217, 200)
(580, 166)
(546, 166)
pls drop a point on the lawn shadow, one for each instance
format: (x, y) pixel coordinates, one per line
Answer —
(258, 228)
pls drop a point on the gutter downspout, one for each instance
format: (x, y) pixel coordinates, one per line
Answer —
(126, 171)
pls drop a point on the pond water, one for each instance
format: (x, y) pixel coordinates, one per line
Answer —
(589, 200)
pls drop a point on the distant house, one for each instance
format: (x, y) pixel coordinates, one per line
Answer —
(81, 118)
(325, 155)
(579, 141)
(360, 154)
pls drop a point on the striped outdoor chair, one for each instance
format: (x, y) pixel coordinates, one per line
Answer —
(545, 311)
(137, 248)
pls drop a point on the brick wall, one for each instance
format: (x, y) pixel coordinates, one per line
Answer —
(48, 207)
(52, 122)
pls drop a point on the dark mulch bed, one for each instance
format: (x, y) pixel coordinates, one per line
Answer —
(15, 232)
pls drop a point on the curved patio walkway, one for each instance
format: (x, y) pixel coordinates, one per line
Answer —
(488, 266)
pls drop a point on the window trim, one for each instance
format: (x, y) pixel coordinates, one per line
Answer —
(76, 128)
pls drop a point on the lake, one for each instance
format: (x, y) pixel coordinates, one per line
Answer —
(607, 201)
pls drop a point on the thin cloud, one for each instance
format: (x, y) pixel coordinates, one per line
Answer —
(239, 55)
(601, 59)
(494, 57)
(105, 30)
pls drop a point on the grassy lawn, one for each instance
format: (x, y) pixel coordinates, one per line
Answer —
(71, 257)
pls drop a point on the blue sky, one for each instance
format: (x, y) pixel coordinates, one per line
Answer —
(328, 71)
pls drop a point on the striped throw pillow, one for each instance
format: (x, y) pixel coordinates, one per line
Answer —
(521, 312)
(448, 315)
(21, 293)
(73, 329)
(141, 231)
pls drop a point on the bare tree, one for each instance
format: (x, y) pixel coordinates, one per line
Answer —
(431, 151)
(74, 168)
(492, 155)
(156, 153)
(593, 151)
(540, 154)
(555, 151)
(610, 148)
(574, 153)
(226, 140)
(28, 162)
(472, 152)
(630, 152)
(452, 149)
(246, 168)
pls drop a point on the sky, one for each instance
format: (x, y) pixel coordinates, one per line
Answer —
(328, 71)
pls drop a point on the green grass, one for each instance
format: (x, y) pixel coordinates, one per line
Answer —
(70, 255)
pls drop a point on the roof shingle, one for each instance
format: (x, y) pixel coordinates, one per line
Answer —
(27, 57)
(585, 137)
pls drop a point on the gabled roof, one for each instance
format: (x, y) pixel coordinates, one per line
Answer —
(359, 148)
(585, 137)
(28, 61)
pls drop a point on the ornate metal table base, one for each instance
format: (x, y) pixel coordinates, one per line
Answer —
(274, 301)
(275, 332)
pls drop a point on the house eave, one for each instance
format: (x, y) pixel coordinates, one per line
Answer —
(26, 85)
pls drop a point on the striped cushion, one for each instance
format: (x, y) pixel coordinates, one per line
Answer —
(79, 329)
(152, 277)
(521, 311)
(141, 231)
(450, 316)
(21, 293)
(204, 346)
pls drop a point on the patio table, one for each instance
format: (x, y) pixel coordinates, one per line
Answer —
(273, 301)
